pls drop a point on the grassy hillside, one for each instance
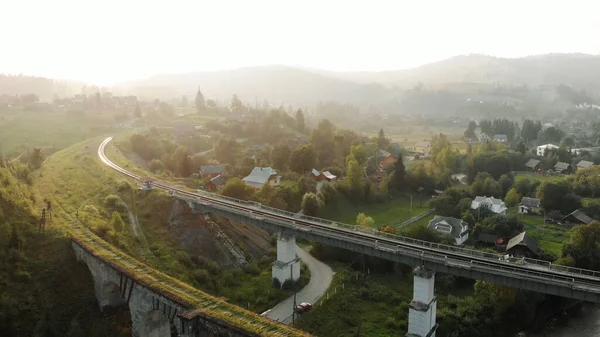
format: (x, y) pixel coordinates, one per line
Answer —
(36, 294)
(83, 189)
(20, 130)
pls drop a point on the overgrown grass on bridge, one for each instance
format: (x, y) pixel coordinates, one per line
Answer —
(78, 184)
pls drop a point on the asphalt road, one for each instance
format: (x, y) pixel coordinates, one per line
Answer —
(321, 276)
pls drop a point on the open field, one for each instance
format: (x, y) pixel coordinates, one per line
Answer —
(550, 237)
(536, 177)
(20, 130)
(393, 212)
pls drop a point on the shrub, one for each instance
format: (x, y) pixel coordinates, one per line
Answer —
(251, 269)
(114, 202)
(124, 186)
(202, 276)
(276, 283)
(156, 166)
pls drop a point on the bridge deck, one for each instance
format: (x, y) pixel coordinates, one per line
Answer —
(202, 304)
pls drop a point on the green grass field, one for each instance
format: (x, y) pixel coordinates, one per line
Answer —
(550, 237)
(536, 177)
(393, 212)
(20, 130)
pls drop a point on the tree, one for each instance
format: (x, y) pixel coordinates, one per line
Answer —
(311, 204)
(303, 159)
(280, 157)
(382, 142)
(470, 133)
(364, 221)
(300, 121)
(512, 198)
(558, 196)
(236, 103)
(36, 158)
(15, 241)
(138, 111)
(400, 173)
(521, 148)
(237, 188)
(186, 167)
(354, 178)
(200, 104)
(156, 166)
(226, 151)
(322, 139)
(583, 246)
(116, 222)
(358, 153)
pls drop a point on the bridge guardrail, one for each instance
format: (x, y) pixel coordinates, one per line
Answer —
(374, 232)
(425, 244)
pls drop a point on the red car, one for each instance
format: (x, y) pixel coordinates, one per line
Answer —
(303, 307)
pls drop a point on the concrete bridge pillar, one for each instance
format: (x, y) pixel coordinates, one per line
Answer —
(422, 309)
(287, 265)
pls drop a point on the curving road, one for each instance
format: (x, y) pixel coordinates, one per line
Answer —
(321, 276)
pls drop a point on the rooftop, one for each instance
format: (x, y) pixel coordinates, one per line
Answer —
(259, 176)
(523, 239)
(453, 226)
(532, 163)
(581, 216)
(212, 169)
(530, 202)
(560, 166)
(584, 164)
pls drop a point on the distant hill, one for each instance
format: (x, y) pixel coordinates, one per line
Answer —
(580, 71)
(277, 84)
(296, 86)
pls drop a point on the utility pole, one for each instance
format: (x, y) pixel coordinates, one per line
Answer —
(294, 310)
(410, 204)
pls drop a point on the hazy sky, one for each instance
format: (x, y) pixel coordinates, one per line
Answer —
(109, 40)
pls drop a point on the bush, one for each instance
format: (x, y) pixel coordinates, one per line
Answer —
(202, 276)
(124, 186)
(114, 202)
(276, 283)
(251, 269)
(156, 166)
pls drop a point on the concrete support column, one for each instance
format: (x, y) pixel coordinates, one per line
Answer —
(287, 265)
(422, 309)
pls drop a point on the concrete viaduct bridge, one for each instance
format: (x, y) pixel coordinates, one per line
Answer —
(528, 274)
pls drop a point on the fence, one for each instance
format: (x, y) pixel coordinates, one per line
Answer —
(414, 218)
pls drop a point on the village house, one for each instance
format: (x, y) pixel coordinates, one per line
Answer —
(386, 159)
(262, 175)
(582, 165)
(501, 138)
(578, 217)
(215, 184)
(563, 168)
(323, 176)
(489, 240)
(529, 205)
(211, 171)
(458, 229)
(541, 150)
(184, 131)
(494, 205)
(532, 165)
(484, 138)
(423, 147)
(523, 245)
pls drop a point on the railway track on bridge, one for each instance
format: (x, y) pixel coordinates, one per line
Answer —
(528, 269)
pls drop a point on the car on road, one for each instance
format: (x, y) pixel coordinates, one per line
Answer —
(303, 307)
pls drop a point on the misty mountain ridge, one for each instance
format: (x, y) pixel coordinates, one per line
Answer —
(305, 86)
